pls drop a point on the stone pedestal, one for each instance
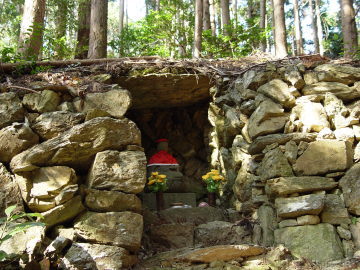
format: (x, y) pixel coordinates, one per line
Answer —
(149, 199)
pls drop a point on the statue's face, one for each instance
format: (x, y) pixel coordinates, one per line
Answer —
(163, 146)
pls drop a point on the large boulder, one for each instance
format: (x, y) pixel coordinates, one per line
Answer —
(298, 206)
(289, 185)
(279, 92)
(52, 124)
(307, 117)
(221, 233)
(15, 139)
(261, 142)
(268, 117)
(114, 102)
(274, 164)
(315, 242)
(334, 211)
(350, 184)
(324, 156)
(39, 188)
(121, 171)
(340, 90)
(111, 201)
(253, 79)
(77, 146)
(221, 253)
(9, 191)
(337, 112)
(95, 256)
(11, 109)
(172, 236)
(122, 229)
(338, 73)
(44, 101)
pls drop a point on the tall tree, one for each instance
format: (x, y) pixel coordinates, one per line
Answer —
(213, 17)
(297, 25)
(314, 26)
(279, 27)
(206, 15)
(349, 30)
(319, 27)
(83, 32)
(61, 25)
(225, 16)
(198, 28)
(235, 10)
(98, 29)
(157, 5)
(32, 28)
(263, 24)
(121, 15)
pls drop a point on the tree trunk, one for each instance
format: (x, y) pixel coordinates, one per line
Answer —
(206, 15)
(235, 10)
(225, 16)
(314, 26)
(98, 29)
(157, 5)
(218, 16)
(198, 28)
(61, 23)
(213, 17)
(121, 16)
(32, 28)
(280, 29)
(349, 28)
(82, 46)
(249, 10)
(263, 23)
(319, 27)
(297, 25)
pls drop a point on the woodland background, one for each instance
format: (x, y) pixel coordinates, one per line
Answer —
(67, 29)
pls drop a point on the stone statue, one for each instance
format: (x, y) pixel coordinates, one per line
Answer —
(165, 163)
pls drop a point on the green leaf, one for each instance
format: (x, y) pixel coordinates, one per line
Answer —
(3, 255)
(9, 210)
(6, 237)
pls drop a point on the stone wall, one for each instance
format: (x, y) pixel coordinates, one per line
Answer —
(287, 139)
(81, 165)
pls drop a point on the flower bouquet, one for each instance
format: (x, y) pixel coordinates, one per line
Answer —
(157, 182)
(213, 180)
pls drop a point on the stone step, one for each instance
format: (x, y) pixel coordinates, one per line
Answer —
(149, 199)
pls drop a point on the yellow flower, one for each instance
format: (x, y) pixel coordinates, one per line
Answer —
(216, 177)
(162, 176)
(222, 178)
(204, 177)
(154, 173)
(160, 180)
(151, 182)
(215, 171)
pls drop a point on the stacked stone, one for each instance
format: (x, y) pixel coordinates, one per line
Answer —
(78, 163)
(288, 140)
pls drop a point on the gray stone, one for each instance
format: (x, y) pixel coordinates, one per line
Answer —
(15, 139)
(293, 76)
(51, 124)
(337, 112)
(310, 77)
(149, 199)
(308, 220)
(66, 194)
(221, 233)
(268, 224)
(350, 184)
(9, 191)
(261, 142)
(56, 247)
(340, 90)
(122, 229)
(357, 153)
(298, 206)
(44, 101)
(121, 171)
(345, 134)
(95, 256)
(253, 79)
(334, 211)
(343, 233)
(325, 156)
(274, 164)
(349, 248)
(291, 151)
(355, 232)
(268, 117)
(279, 92)
(111, 201)
(289, 185)
(315, 242)
(11, 109)
(288, 223)
(115, 102)
(77, 146)
(338, 73)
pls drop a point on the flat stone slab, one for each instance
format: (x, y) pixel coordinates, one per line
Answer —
(288, 185)
(298, 206)
(334, 211)
(315, 242)
(221, 253)
(149, 199)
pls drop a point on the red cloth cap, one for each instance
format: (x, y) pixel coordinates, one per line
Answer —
(162, 158)
(162, 140)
